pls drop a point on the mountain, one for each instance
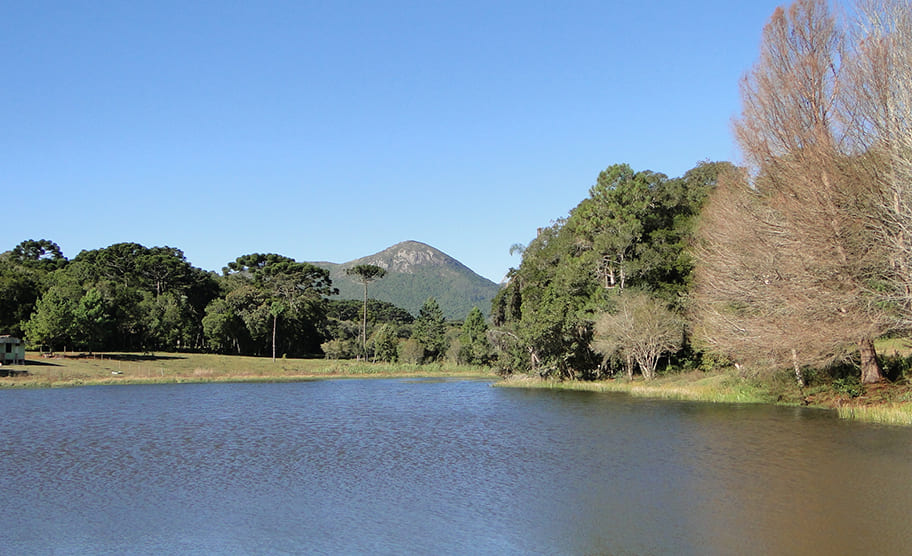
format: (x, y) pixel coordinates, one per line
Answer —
(414, 272)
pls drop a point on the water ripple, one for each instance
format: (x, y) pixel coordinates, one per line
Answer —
(387, 466)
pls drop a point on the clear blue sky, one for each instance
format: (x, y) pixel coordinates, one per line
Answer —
(330, 130)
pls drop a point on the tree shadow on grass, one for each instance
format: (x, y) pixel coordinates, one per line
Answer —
(133, 357)
(40, 363)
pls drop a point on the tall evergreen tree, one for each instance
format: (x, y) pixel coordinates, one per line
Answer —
(365, 273)
(475, 349)
(430, 329)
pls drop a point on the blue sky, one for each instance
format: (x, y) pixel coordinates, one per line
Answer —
(326, 131)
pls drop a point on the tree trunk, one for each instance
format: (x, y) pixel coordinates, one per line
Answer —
(621, 271)
(364, 324)
(275, 319)
(798, 374)
(871, 371)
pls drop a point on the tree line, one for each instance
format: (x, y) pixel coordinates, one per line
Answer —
(798, 259)
(135, 298)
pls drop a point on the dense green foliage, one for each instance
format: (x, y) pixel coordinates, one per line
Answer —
(125, 296)
(266, 287)
(20, 289)
(130, 297)
(386, 325)
(475, 349)
(631, 233)
(430, 330)
(377, 311)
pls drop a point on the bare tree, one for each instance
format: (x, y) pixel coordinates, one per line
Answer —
(757, 297)
(878, 118)
(642, 330)
(738, 288)
(791, 274)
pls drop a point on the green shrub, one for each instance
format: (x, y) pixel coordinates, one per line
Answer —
(849, 386)
(338, 349)
(712, 362)
(896, 367)
(411, 352)
(385, 343)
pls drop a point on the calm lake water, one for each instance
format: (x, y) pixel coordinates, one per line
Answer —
(439, 467)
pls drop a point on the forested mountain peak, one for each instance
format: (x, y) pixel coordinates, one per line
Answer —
(409, 257)
(416, 271)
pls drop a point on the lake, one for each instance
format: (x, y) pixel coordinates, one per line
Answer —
(439, 467)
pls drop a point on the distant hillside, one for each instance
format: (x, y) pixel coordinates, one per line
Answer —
(414, 272)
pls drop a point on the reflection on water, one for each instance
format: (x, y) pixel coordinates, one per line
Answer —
(390, 466)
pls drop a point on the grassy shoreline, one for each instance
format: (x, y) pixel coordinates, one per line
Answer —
(715, 388)
(174, 368)
(887, 404)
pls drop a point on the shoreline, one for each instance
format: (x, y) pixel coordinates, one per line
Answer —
(889, 404)
(884, 404)
(188, 368)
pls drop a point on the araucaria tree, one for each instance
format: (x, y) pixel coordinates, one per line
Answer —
(365, 273)
(792, 254)
(273, 285)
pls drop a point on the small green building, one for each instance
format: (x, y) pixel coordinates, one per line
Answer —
(12, 350)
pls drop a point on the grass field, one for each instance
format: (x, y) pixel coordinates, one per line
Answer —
(134, 368)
